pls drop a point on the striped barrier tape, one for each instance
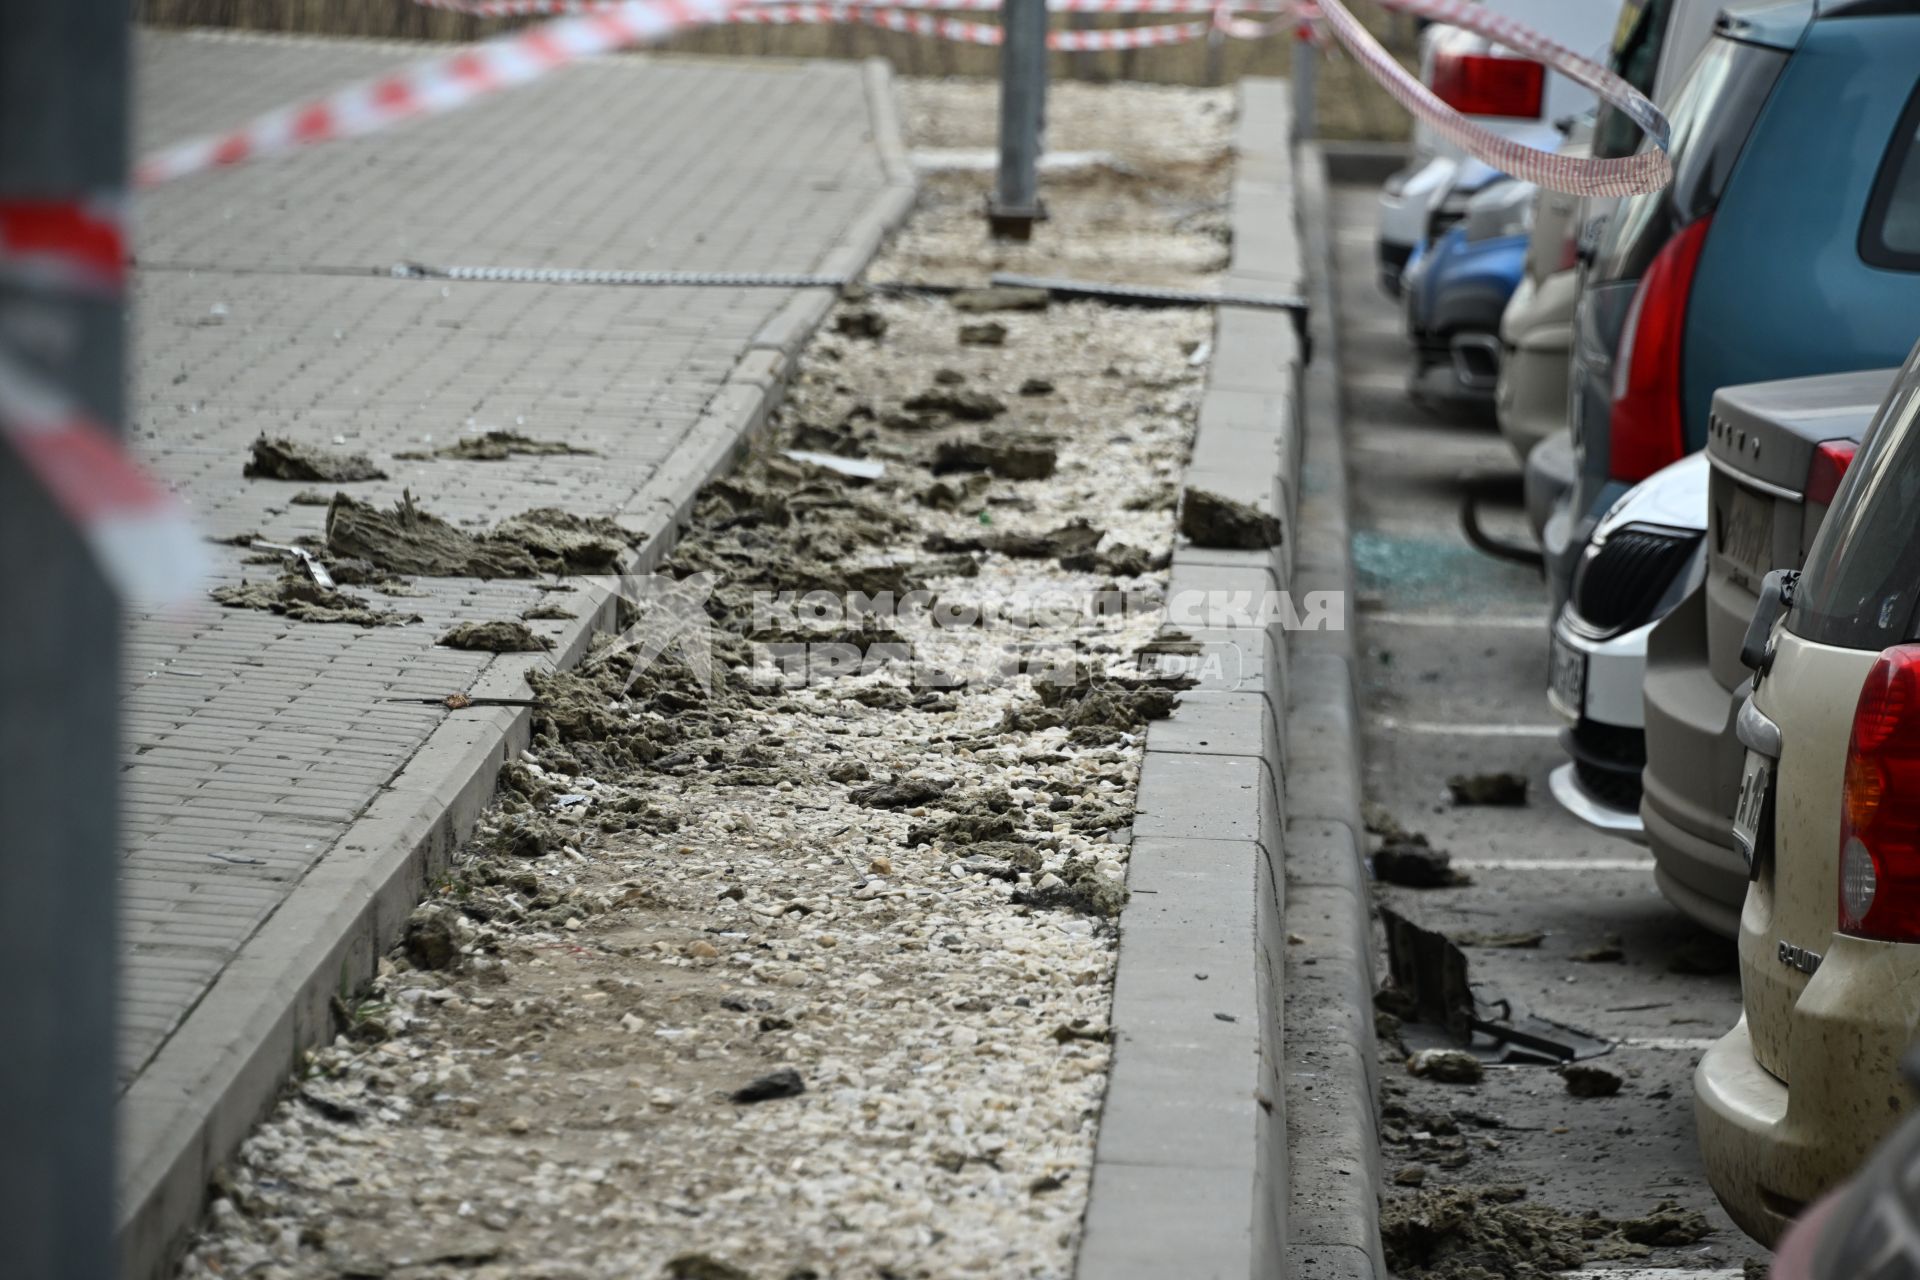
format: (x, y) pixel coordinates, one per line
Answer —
(527, 8)
(437, 85)
(446, 83)
(1649, 170)
(137, 530)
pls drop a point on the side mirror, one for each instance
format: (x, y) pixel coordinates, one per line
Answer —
(1776, 594)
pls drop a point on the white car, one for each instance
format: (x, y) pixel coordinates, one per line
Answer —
(1796, 1096)
(1499, 90)
(1645, 557)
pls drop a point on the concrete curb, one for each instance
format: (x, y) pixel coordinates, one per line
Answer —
(1331, 1084)
(224, 1066)
(1190, 1172)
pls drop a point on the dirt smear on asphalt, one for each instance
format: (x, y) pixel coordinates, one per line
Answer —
(787, 946)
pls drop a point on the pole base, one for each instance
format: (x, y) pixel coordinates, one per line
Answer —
(1013, 222)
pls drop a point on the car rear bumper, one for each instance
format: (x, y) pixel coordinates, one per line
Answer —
(1536, 334)
(1692, 774)
(1770, 1149)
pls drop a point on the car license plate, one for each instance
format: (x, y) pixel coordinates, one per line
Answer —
(1567, 679)
(1753, 812)
(1746, 530)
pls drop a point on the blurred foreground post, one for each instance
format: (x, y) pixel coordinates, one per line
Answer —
(1306, 67)
(63, 140)
(1015, 204)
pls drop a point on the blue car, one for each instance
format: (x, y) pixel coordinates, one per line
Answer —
(1457, 288)
(1787, 245)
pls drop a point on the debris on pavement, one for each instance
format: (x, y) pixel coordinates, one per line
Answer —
(1460, 1233)
(962, 403)
(784, 1083)
(1608, 951)
(851, 468)
(860, 322)
(1448, 1066)
(1520, 940)
(1412, 863)
(983, 333)
(295, 595)
(1585, 1080)
(496, 446)
(1209, 520)
(678, 891)
(1501, 789)
(409, 539)
(278, 458)
(494, 637)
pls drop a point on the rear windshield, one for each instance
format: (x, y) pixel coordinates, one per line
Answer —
(1890, 233)
(1636, 56)
(1863, 570)
(1712, 115)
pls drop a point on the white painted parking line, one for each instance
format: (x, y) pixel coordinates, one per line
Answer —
(1395, 725)
(1516, 622)
(1553, 864)
(1673, 1044)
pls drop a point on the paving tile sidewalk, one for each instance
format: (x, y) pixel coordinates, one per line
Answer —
(262, 765)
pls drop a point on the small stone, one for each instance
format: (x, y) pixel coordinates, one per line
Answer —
(860, 322)
(701, 949)
(519, 1124)
(784, 1083)
(949, 377)
(1585, 1080)
(1412, 1175)
(1448, 1066)
(1209, 520)
(1037, 387)
(881, 865)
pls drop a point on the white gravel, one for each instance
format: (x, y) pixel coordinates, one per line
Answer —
(556, 1103)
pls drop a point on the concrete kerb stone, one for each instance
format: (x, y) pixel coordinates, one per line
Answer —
(1190, 1172)
(191, 1107)
(1331, 1068)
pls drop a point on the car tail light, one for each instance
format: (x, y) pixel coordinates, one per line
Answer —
(1480, 84)
(1829, 466)
(1880, 804)
(1646, 430)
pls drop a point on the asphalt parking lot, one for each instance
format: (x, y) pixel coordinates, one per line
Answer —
(1454, 648)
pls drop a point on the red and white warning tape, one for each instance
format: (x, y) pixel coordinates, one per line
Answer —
(137, 530)
(443, 84)
(1648, 171)
(437, 85)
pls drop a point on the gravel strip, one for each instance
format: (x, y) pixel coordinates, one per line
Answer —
(808, 973)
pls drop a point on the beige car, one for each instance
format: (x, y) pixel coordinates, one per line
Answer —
(1794, 1097)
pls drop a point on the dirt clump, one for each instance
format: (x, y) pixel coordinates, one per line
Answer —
(494, 637)
(1000, 298)
(1076, 887)
(295, 595)
(906, 793)
(408, 539)
(861, 322)
(956, 402)
(1584, 1080)
(278, 458)
(1456, 1233)
(498, 446)
(1209, 520)
(983, 333)
(1448, 1066)
(432, 939)
(1007, 454)
(1037, 387)
(1412, 863)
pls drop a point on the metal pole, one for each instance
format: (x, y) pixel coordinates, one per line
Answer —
(1015, 204)
(1306, 69)
(63, 142)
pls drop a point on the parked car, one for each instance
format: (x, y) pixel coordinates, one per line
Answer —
(1778, 451)
(1783, 247)
(1499, 90)
(1655, 42)
(1795, 1097)
(1645, 556)
(1457, 288)
(1868, 1229)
